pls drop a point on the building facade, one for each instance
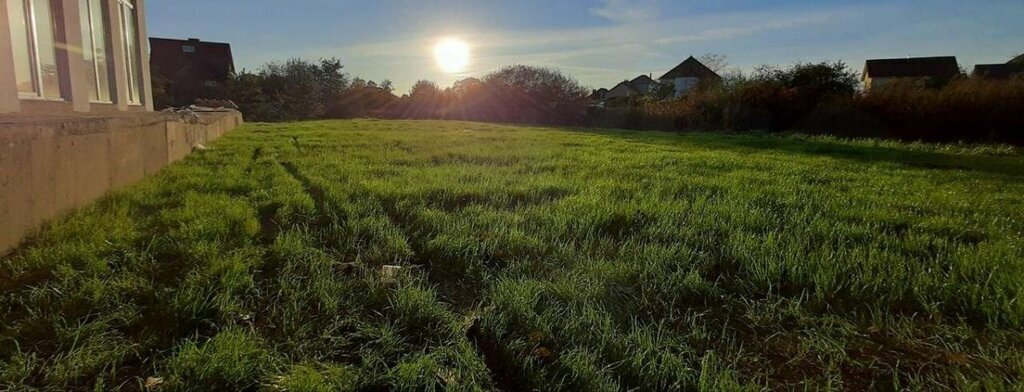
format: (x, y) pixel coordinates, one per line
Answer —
(687, 75)
(74, 56)
(76, 110)
(190, 69)
(1012, 69)
(879, 73)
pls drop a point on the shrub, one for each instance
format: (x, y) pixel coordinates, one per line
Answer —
(823, 98)
(964, 110)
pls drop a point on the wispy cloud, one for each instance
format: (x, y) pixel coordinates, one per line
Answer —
(628, 11)
(783, 23)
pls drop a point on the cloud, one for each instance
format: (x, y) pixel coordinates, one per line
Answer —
(628, 11)
(722, 33)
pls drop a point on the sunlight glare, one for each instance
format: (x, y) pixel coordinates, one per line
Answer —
(452, 55)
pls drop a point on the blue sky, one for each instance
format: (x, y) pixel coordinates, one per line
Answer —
(600, 42)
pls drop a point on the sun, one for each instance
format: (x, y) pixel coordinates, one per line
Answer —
(452, 55)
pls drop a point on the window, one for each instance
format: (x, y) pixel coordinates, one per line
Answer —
(35, 52)
(129, 28)
(188, 49)
(95, 34)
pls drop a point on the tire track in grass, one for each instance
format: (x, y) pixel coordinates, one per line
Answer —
(487, 349)
(269, 227)
(318, 195)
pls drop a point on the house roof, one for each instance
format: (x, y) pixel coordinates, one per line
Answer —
(624, 89)
(642, 79)
(208, 60)
(998, 71)
(625, 84)
(944, 67)
(691, 68)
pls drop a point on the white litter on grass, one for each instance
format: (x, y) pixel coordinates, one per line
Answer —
(389, 273)
(153, 382)
(199, 147)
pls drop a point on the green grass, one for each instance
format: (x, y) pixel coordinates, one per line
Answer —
(532, 258)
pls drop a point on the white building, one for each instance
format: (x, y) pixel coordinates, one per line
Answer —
(67, 56)
(687, 75)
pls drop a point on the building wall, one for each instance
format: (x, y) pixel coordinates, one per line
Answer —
(52, 164)
(74, 71)
(645, 88)
(873, 83)
(191, 69)
(684, 85)
(59, 154)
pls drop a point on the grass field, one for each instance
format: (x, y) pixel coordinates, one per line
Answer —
(530, 258)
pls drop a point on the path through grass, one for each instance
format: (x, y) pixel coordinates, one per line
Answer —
(531, 258)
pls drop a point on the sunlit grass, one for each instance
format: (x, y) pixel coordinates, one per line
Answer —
(531, 258)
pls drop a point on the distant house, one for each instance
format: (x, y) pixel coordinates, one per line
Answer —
(687, 75)
(998, 71)
(622, 90)
(599, 94)
(878, 73)
(1012, 68)
(643, 84)
(190, 68)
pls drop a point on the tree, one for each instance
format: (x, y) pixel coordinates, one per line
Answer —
(822, 79)
(424, 89)
(162, 97)
(716, 62)
(295, 89)
(246, 90)
(537, 95)
(465, 86)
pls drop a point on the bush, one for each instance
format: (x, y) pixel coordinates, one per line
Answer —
(964, 110)
(823, 98)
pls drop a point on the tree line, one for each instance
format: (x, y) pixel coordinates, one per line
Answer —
(807, 97)
(299, 89)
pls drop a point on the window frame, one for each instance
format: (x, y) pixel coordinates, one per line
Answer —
(32, 25)
(132, 56)
(104, 34)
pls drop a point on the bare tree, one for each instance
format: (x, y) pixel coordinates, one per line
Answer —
(716, 62)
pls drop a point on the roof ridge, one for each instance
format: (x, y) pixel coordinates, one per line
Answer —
(691, 67)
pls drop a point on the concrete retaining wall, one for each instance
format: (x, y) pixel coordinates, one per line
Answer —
(49, 165)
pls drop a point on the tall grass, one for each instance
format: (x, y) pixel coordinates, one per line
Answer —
(530, 258)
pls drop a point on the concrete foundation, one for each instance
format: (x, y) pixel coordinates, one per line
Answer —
(50, 165)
